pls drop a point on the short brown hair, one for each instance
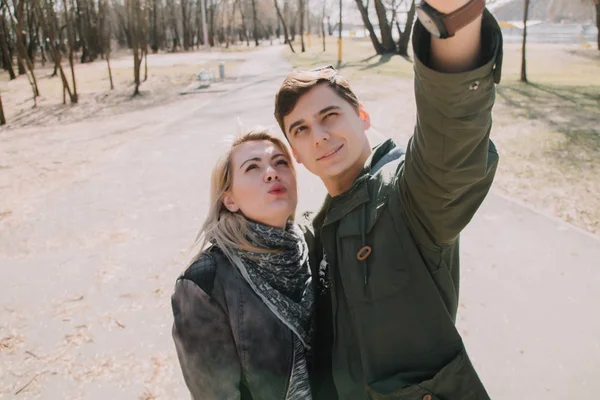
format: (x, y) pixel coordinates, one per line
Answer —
(299, 83)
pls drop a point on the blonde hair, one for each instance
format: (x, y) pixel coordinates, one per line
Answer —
(226, 229)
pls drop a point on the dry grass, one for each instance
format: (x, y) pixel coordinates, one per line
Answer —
(358, 59)
(167, 75)
(548, 131)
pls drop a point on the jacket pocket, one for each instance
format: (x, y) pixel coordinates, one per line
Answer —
(383, 273)
(457, 380)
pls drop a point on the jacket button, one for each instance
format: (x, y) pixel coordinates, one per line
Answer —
(474, 86)
(427, 397)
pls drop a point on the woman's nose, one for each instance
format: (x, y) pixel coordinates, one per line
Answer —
(271, 174)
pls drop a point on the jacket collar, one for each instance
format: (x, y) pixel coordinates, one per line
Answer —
(335, 208)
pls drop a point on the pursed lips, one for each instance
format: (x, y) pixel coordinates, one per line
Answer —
(330, 153)
(277, 188)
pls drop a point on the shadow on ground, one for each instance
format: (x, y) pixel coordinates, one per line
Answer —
(572, 111)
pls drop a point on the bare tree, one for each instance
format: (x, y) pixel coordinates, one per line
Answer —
(134, 10)
(105, 31)
(387, 40)
(244, 27)
(523, 54)
(54, 47)
(340, 37)
(284, 26)
(21, 51)
(301, 10)
(323, 23)
(364, 13)
(404, 35)
(6, 56)
(74, 97)
(255, 22)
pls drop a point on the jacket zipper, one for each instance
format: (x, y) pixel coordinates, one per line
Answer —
(293, 361)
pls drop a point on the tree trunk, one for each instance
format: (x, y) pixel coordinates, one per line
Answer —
(112, 86)
(2, 118)
(6, 58)
(32, 35)
(244, 27)
(284, 25)
(185, 24)
(364, 13)
(18, 42)
(176, 41)
(71, 41)
(228, 36)
(387, 41)
(301, 24)
(323, 24)
(598, 21)
(133, 10)
(155, 44)
(339, 58)
(404, 40)
(211, 33)
(523, 49)
(255, 20)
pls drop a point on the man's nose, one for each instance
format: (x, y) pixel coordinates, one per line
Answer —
(319, 135)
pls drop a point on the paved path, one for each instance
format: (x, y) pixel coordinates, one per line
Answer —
(101, 214)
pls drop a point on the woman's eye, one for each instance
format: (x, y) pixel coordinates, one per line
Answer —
(282, 162)
(251, 167)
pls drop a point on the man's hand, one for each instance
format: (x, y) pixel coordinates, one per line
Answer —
(461, 52)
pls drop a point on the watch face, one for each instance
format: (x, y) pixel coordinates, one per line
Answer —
(428, 22)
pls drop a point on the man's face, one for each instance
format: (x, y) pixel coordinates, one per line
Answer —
(326, 133)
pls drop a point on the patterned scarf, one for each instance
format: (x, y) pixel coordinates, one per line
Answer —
(283, 281)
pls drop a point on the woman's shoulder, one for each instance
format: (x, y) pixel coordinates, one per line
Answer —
(203, 270)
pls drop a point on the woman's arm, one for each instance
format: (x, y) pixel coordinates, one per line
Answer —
(205, 346)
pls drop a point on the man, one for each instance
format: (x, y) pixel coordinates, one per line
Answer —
(386, 242)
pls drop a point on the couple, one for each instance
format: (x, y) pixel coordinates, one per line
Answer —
(361, 302)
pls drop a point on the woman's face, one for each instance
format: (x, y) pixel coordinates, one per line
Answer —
(264, 184)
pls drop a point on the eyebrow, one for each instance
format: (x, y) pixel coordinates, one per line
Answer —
(259, 159)
(323, 111)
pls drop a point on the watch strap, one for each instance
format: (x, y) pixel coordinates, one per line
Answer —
(462, 17)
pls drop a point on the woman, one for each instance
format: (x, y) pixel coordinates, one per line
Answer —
(243, 308)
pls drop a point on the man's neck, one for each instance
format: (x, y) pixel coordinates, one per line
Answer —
(341, 183)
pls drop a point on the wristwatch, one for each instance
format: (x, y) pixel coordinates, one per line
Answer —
(443, 25)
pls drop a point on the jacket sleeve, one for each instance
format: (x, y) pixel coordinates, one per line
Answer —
(205, 346)
(450, 161)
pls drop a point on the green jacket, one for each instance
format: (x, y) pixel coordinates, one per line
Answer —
(386, 325)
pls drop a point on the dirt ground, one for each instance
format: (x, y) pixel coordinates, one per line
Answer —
(547, 131)
(97, 216)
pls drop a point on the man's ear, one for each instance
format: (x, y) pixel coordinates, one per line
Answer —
(296, 157)
(365, 116)
(229, 203)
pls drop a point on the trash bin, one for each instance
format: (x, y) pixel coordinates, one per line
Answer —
(221, 70)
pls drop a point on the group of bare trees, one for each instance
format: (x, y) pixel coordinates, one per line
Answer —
(34, 32)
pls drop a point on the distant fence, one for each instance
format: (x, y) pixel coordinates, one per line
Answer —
(553, 33)
(539, 33)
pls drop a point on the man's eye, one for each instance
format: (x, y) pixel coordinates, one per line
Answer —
(299, 130)
(329, 115)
